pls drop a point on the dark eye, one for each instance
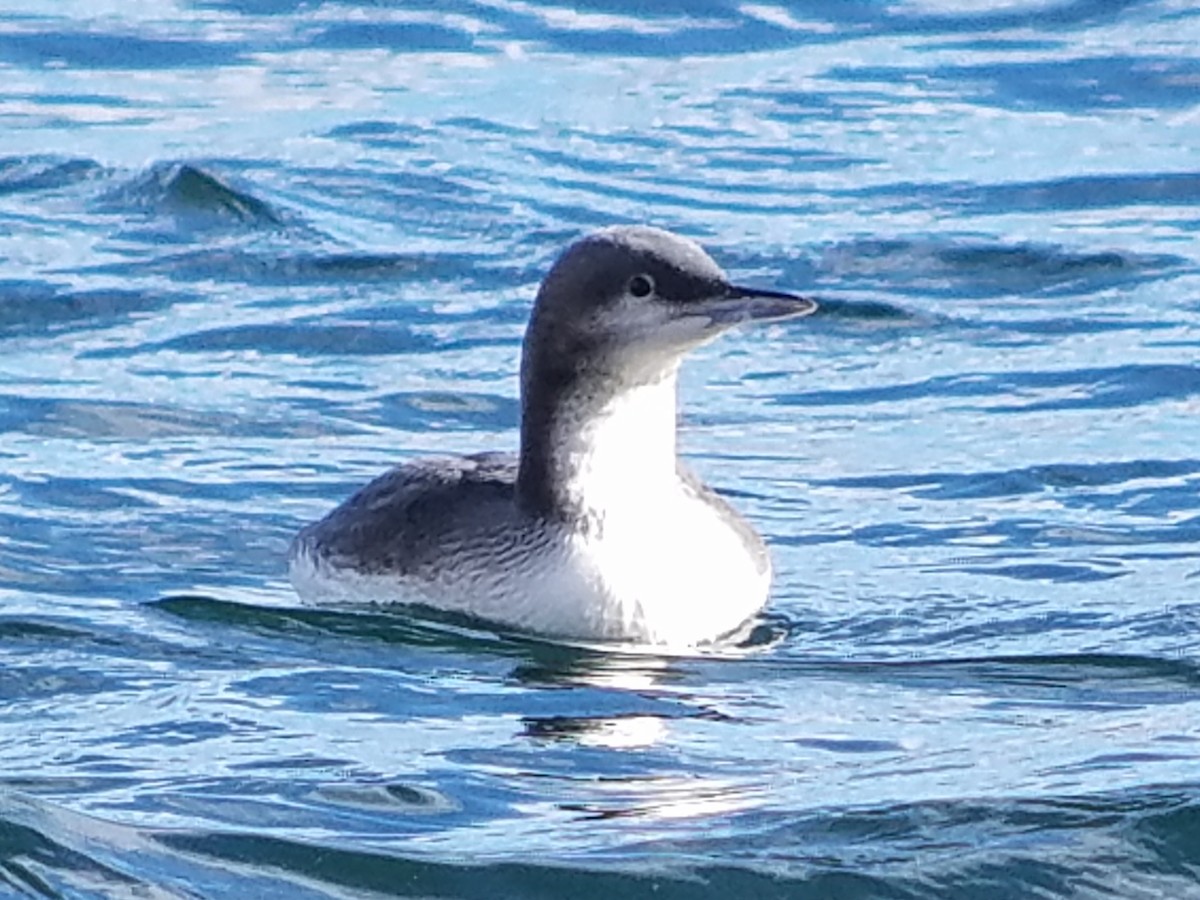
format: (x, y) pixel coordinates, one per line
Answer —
(641, 286)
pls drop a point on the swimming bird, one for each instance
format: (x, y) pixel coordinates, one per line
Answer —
(595, 529)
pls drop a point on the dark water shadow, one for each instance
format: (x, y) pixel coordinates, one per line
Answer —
(402, 37)
(953, 269)
(37, 308)
(194, 198)
(1085, 85)
(1083, 192)
(95, 49)
(1031, 480)
(415, 627)
(46, 172)
(305, 339)
(286, 268)
(1118, 387)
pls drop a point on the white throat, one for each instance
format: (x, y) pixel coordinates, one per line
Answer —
(667, 562)
(623, 454)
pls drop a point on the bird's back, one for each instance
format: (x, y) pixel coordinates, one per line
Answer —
(412, 521)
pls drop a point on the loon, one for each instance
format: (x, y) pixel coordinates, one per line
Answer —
(595, 530)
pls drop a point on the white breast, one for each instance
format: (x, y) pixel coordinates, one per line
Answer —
(678, 576)
(655, 562)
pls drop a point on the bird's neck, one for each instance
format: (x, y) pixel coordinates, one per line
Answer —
(598, 445)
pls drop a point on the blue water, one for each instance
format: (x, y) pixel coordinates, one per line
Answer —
(253, 252)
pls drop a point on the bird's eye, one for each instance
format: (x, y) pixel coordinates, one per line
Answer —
(641, 286)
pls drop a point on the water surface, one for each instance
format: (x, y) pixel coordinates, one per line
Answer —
(253, 253)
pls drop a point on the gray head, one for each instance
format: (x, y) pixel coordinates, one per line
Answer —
(617, 312)
(629, 302)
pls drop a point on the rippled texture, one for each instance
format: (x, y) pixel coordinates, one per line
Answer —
(253, 252)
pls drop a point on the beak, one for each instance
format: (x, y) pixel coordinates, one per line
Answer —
(744, 304)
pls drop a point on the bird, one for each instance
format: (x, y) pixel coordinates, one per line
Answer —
(595, 529)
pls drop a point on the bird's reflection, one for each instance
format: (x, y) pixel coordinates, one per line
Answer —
(657, 685)
(613, 732)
